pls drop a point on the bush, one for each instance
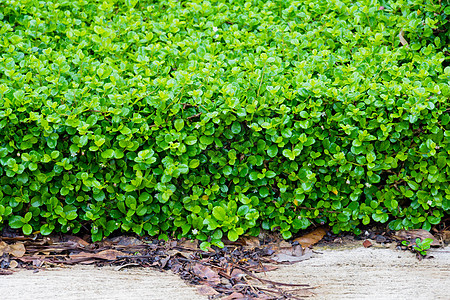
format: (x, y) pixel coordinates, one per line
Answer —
(197, 118)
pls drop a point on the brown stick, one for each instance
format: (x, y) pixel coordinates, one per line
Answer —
(267, 280)
(194, 116)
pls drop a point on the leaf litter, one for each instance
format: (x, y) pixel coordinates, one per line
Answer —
(235, 272)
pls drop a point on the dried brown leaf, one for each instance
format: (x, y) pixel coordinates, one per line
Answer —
(189, 244)
(127, 241)
(296, 255)
(76, 240)
(104, 255)
(250, 242)
(413, 234)
(17, 250)
(13, 264)
(27, 258)
(312, 237)
(206, 273)
(206, 290)
(446, 236)
(234, 296)
(237, 274)
(4, 248)
(403, 41)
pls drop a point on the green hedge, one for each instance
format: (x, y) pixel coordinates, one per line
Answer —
(198, 118)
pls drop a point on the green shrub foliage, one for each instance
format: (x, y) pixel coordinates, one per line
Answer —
(209, 119)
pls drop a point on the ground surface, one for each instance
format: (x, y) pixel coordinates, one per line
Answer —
(343, 272)
(371, 273)
(89, 282)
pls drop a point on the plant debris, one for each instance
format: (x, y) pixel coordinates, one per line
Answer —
(230, 273)
(311, 238)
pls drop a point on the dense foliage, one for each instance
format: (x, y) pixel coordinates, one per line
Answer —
(204, 118)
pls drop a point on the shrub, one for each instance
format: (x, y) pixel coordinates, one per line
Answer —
(198, 118)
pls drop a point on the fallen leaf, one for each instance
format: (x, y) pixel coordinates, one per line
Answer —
(250, 242)
(108, 254)
(27, 259)
(284, 244)
(237, 274)
(234, 296)
(174, 252)
(4, 248)
(403, 41)
(295, 256)
(16, 250)
(13, 264)
(207, 290)
(104, 255)
(127, 241)
(189, 244)
(412, 234)
(206, 273)
(367, 244)
(76, 240)
(311, 238)
(446, 236)
(164, 261)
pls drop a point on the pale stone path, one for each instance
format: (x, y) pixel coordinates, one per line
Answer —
(89, 282)
(371, 273)
(357, 273)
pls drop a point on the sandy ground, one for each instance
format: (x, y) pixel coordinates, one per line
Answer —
(89, 282)
(349, 273)
(371, 273)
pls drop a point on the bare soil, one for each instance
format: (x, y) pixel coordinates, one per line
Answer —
(345, 272)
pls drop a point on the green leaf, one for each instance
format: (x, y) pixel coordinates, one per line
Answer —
(16, 222)
(243, 210)
(263, 191)
(92, 120)
(207, 140)
(286, 235)
(227, 170)
(413, 185)
(46, 229)
(27, 229)
(194, 163)
(109, 153)
(179, 124)
(343, 217)
(272, 151)
(190, 140)
(219, 213)
(371, 157)
(236, 127)
(289, 154)
(3, 152)
(270, 174)
(232, 235)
